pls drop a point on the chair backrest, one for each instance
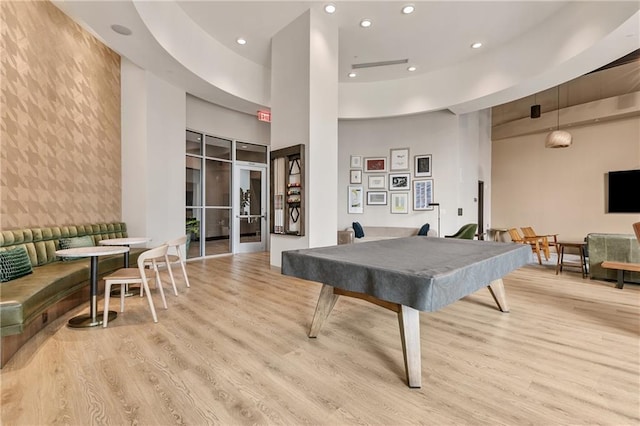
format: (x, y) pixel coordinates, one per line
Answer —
(528, 231)
(153, 253)
(636, 229)
(468, 232)
(515, 236)
(177, 241)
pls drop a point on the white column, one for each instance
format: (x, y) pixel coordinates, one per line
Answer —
(153, 155)
(304, 107)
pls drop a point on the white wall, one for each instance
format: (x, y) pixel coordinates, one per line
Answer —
(133, 152)
(459, 146)
(562, 190)
(153, 161)
(222, 122)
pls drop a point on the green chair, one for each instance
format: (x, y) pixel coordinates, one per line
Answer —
(467, 232)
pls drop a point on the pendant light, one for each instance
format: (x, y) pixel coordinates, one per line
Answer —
(558, 138)
(535, 108)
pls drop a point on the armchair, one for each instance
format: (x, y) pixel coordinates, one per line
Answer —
(534, 243)
(546, 240)
(467, 232)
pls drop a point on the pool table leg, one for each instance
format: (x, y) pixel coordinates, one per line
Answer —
(326, 302)
(409, 321)
(496, 288)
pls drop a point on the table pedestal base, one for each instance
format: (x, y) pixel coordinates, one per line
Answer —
(86, 320)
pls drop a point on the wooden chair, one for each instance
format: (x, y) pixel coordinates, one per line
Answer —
(545, 240)
(534, 243)
(139, 275)
(171, 257)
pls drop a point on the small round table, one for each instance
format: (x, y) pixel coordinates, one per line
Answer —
(94, 318)
(580, 245)
(127, 241)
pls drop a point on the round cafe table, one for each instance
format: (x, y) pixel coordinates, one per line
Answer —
(127, 242)
(94, 318)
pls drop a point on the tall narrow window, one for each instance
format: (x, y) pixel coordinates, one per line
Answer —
(208, 200)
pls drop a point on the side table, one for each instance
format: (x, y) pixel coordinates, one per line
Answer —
(580, 245)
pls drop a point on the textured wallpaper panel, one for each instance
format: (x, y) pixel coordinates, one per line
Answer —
(60, 111)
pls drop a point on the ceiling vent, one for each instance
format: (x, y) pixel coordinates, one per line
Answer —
(379, 64)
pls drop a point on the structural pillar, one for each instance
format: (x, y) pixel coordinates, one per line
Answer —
(304, 110)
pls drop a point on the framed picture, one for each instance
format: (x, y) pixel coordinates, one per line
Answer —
(377, 198)
(356, 162)
(399, 202)
(399, 159)
(375, 164)
(378, 182)
(423, 194)
(398, 181)
(355, 200)
(356, 176)
(422, 166)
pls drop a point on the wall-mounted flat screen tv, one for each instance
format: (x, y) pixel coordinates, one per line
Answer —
(623, 191)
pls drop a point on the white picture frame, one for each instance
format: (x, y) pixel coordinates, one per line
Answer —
(399, 181)
(356, 162)
(355, 199)
(422, 166)
(422, 194)
(355, 176)
(399, 159)
(399, 202)
(377, 181)
(376, 198)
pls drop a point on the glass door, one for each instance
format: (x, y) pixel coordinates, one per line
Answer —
(250, 193)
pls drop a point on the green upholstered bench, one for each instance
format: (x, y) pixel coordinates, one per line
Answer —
(612, 248)
(54, 287)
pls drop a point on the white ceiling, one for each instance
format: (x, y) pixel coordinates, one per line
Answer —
(436, 35)
(544, 43)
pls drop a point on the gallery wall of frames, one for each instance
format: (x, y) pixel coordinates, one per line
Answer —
(398, 181)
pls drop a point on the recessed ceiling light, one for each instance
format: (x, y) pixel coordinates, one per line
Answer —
(407, 9)
(329, 7)
(352, 74)
(411, 68)
(365, 23)
(476, 45)
(241, 41)
(121, 29)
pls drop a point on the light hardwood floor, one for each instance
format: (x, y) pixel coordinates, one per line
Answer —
(233, 349)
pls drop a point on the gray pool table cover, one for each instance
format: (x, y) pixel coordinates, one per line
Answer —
(425, 273)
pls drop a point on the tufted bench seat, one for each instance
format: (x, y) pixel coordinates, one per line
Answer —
(30, 302)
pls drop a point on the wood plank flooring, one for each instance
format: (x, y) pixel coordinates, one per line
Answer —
(233, 350)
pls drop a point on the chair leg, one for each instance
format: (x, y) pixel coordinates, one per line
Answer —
(545, 247)
(123, 288)
(173, 281)
(536, 248)
(150, 300)
(159, 285)
(184, 272)
(107, 293)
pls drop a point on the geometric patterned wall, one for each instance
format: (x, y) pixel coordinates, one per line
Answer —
(60, 112)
